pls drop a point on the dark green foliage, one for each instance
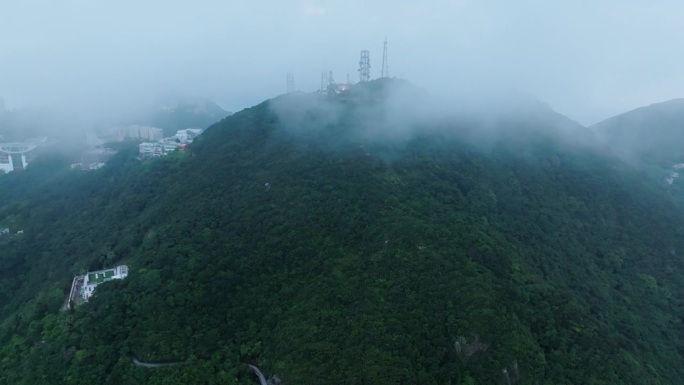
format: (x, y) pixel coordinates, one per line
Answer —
(329, 256)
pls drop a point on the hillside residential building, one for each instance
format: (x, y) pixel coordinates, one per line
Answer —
(83, 286)
(187, 135)
(137, 132)
(167, 145)
(150, 149)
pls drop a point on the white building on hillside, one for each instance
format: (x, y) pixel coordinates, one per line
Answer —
(83, 286)
(188, 135)
(150, 149)
(169, 145)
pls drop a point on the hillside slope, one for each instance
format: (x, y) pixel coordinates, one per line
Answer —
(358, 239)
(650, 138)
(650, 134)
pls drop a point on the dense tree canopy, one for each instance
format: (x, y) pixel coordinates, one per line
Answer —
(337, 240)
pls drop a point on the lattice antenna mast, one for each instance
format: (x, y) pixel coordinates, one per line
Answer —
(384, 73)
(290, 82)
(364, 66)
(324, 81)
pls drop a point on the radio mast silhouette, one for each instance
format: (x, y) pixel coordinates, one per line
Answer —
(384, 73)
(364, 66)
(324, 81)
(290, 82)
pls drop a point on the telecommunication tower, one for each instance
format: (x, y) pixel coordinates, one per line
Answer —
(364, 66)
(290, 82)
(384, 73)
(324, 81)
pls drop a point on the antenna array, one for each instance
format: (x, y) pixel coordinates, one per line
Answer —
(364, 66)
(384, 73)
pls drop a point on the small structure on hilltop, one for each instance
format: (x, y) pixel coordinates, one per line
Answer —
(83, 286)
(329, 87)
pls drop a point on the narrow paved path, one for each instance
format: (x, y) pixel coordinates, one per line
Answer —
(155, 364)
(262, 378)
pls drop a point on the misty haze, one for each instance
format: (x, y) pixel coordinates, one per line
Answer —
(306, 192)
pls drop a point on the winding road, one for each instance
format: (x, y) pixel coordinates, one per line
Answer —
(137, 362)
(262, 379)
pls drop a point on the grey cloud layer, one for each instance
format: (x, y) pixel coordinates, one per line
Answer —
(589, 60)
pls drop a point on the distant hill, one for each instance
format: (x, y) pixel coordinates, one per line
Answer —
(21, 124)
(652, 139)
(379, 236)
(651, 134)
(173, 114)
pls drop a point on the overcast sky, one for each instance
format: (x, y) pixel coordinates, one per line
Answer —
(588, 59)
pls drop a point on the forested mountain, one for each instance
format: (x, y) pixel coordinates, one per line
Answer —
(650, 138)
(372, 237)
(651, 134)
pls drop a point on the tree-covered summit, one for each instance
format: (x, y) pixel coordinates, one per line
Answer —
(379, 236)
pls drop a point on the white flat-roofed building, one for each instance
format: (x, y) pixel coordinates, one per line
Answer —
(83, 286)
(150, 149)
(188, 135)
(169, 145)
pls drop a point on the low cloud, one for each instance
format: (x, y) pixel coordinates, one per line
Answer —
(394, 112)
(314, 11)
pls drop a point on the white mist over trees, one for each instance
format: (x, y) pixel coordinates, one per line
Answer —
(588, 60)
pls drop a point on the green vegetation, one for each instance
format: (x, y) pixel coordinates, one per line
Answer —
(320, 249)
(650, 138)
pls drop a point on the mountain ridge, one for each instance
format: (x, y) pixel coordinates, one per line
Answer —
(633, 133)
(324, 254)
(649, 139)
